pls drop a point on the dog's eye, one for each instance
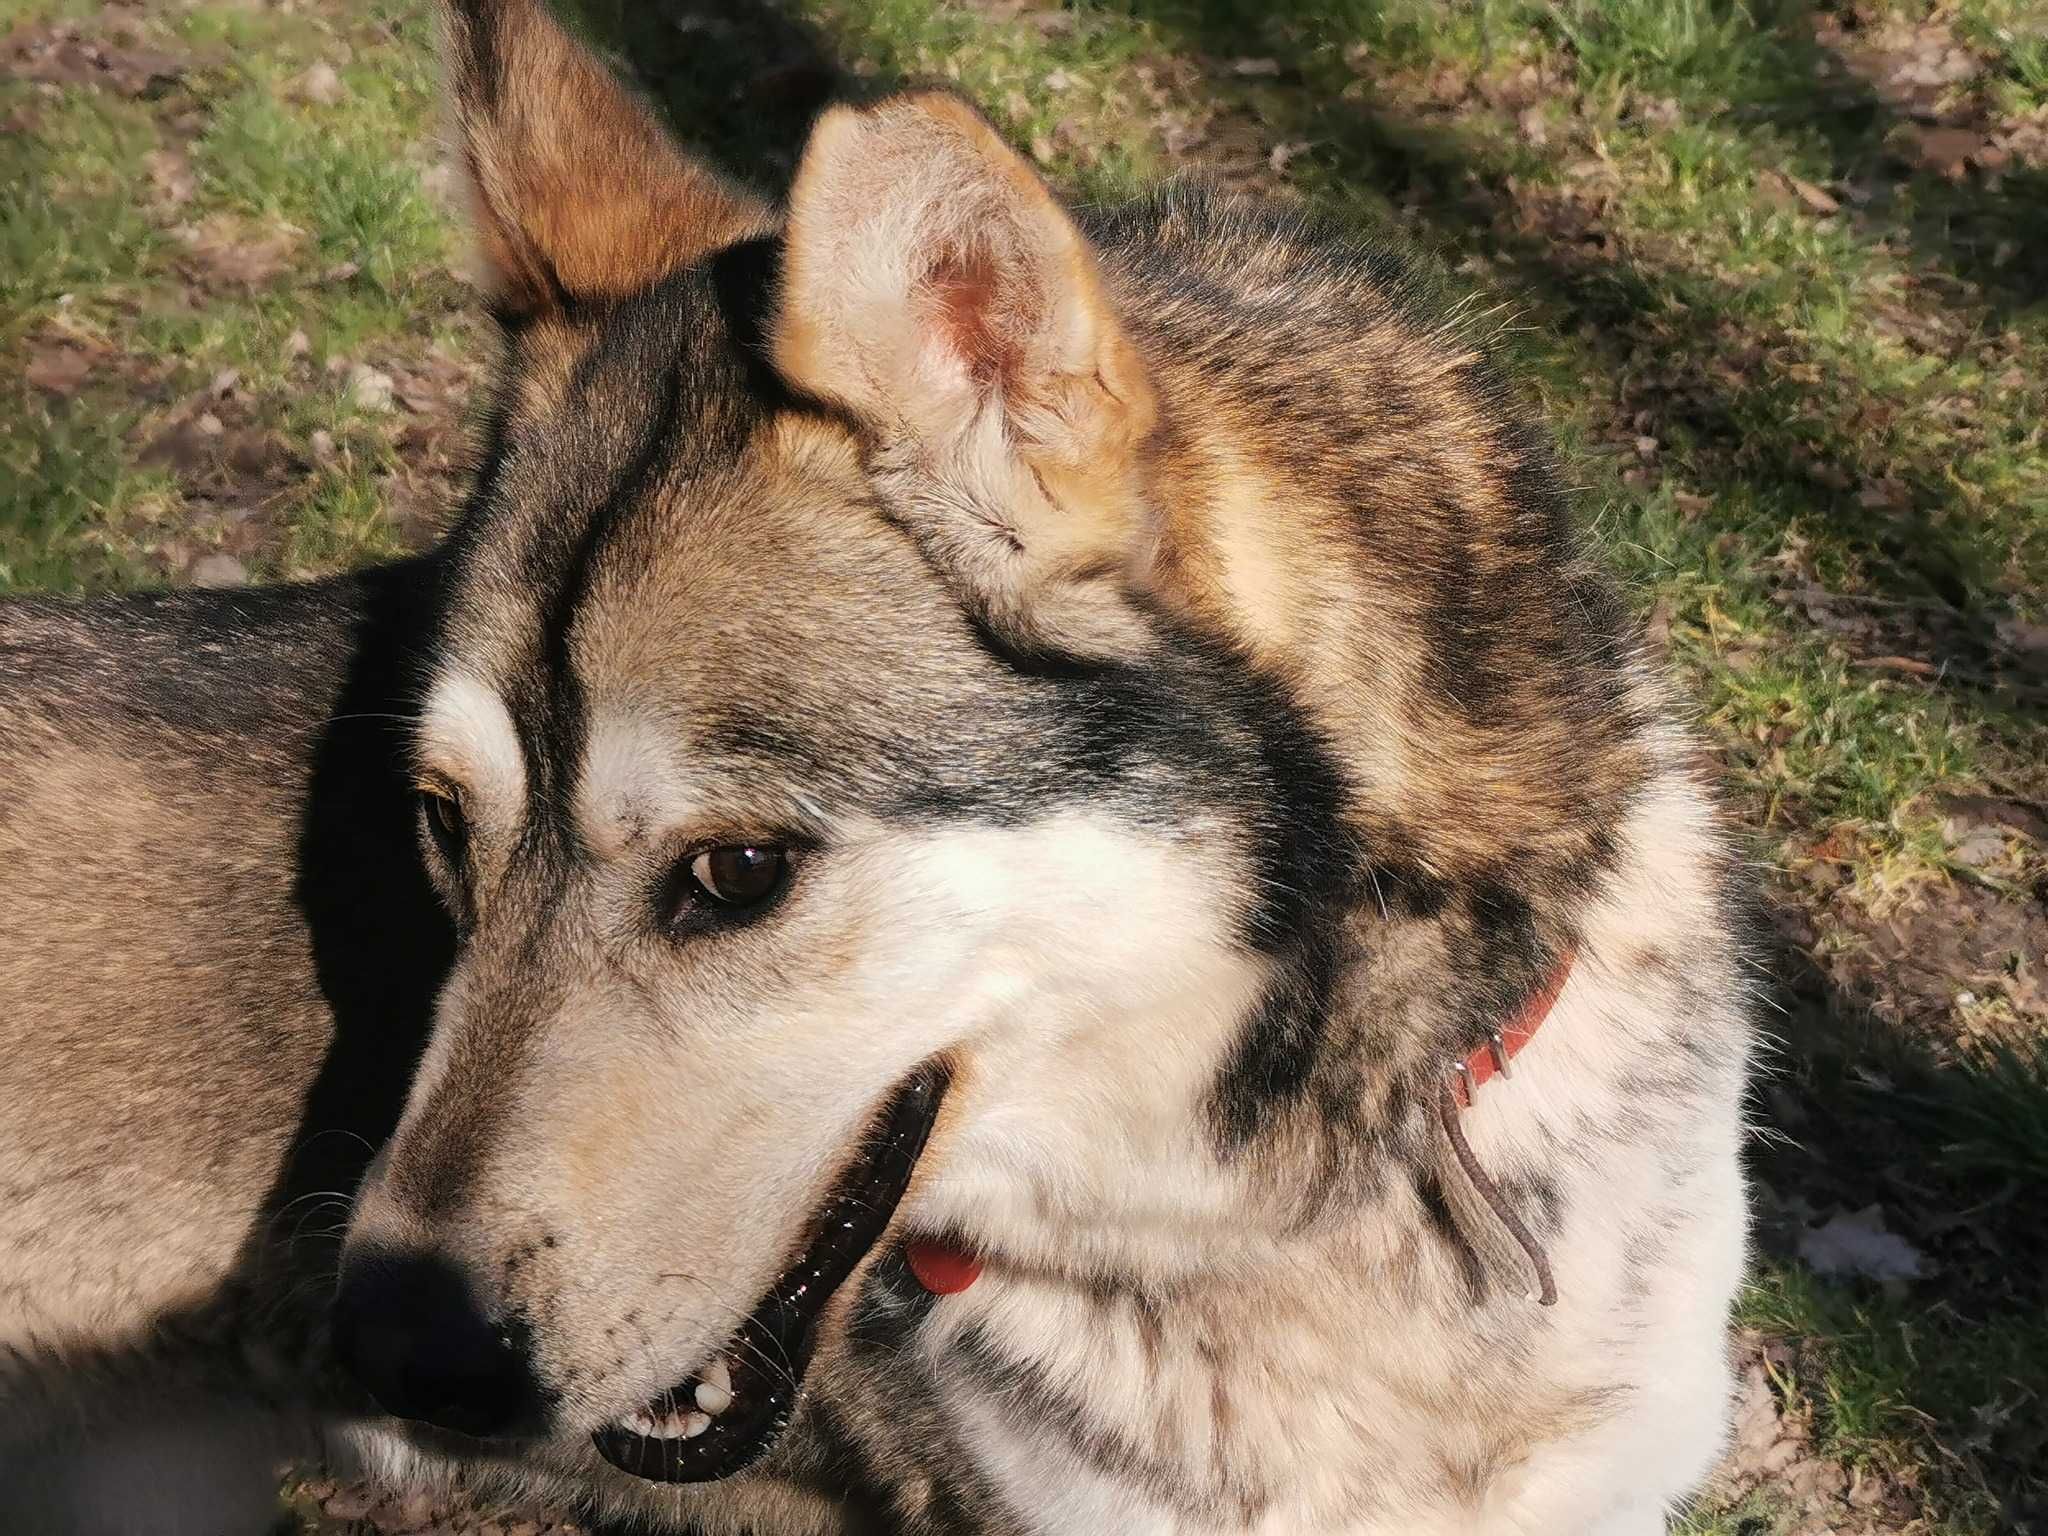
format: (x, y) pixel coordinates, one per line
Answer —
(444, 820)
(739, 876)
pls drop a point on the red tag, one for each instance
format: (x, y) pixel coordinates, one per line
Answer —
(941, 1268)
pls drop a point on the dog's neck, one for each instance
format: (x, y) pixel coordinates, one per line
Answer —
(1091, 1160)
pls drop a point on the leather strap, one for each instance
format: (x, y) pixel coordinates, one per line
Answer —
(1506, 1246)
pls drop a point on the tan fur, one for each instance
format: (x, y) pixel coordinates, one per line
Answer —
(576, 189)
(965, 316)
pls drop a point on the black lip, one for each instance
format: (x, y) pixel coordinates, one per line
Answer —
(769, 1351)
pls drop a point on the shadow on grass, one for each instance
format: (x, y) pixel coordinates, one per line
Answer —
(1741, 395)
(1855, 1112)
(1992, 238)
(739, 80)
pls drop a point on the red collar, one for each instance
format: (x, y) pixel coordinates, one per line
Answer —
(1505, 1043)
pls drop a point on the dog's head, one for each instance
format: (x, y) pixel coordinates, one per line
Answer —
(838, 738)
(806, 758)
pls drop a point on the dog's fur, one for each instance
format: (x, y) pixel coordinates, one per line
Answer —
(1165, 643)
(217, 968)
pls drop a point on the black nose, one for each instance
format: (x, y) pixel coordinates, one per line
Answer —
(407, 1326)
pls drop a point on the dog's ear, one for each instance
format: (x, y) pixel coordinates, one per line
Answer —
(577, 191)
(935, 289)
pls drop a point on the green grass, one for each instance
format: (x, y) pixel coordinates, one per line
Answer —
(85, 251)
(1880, 1371)
(1761, 396)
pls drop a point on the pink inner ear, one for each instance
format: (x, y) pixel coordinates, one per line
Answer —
(966, 292)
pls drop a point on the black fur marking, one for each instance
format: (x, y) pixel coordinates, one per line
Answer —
(550, 708)
(1463, 617)
(1276, 1055)
(1026, 660)
(890, 1308)
(474, 38)
(860, 1466)
(744, 279)
(1200, 708)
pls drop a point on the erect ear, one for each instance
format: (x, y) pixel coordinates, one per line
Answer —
(934, 288)
(578, 191)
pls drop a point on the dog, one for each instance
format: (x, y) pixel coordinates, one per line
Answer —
(1073, 908)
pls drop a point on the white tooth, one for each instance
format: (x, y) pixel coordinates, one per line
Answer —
(713, 1398)
(640, 1422)
(694, 1424)
(719, 1375)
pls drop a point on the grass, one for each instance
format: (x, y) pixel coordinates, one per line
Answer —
(1880, 1371)
(194, 230)
(1799, 370)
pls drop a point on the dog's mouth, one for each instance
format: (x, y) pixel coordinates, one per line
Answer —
(725, 1415)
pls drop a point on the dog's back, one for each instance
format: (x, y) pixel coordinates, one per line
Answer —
(216, 968)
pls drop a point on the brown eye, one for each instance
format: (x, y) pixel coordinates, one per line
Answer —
(445, 821)
(739, 875)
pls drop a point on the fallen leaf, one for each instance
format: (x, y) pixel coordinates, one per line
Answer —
(441, 184)
(1657, 628)
(349, 1504)
(1255, 68)
(1816, 198)
(224, 250)
(2027, 639)
(218, 570)
(59, 370)
(1945, 151)
(170, 176)
(1912, 665)
(1533, 126)
(369, 389)
(1285, 154)
(319, 85)
(1661, 112)
(1183, 138)
(1979, 850)
(1963, 815)
(1860, 1244)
